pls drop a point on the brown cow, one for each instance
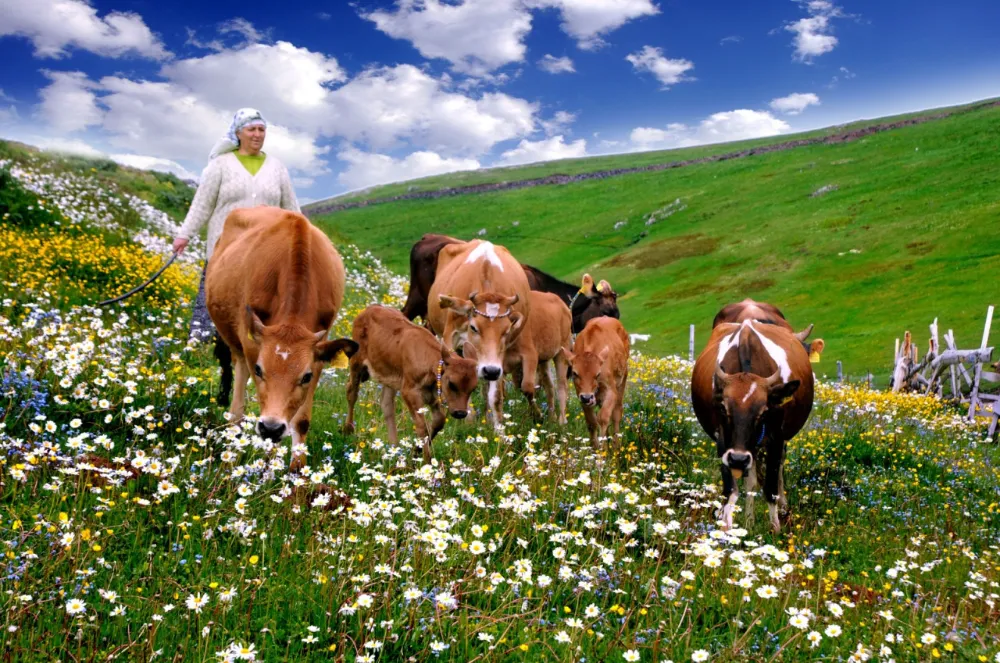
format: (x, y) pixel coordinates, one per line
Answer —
(480, 296)
(273, 288)
(748, 309)
(752, 391)
(587, 302)
(406, 358)
(549, 327)
(599, 363)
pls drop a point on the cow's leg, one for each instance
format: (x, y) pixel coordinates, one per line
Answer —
(225, 357)
(389, 413)
(750, 479)
(440, 416)
(353, 387)
(608, 405)
(242, 374)
(546, 380)
(300, 426)
(730, 493)
(591, 417)
(413, 398)
(772, 476)
(782, 500)
(529, 364)
(562, 385)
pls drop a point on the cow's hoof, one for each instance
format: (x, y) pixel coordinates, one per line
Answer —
(347, 429)
(298, 462)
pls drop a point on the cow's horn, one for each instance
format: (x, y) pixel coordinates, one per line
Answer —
(721, 377)
(472, 296)
(775, 379)
(513, 299)
(804, 334)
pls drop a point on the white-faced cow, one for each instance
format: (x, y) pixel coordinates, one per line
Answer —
(408, 359)
(480, 296)
(273, 288)
(769, 314)
(588, 302)
(752, 391)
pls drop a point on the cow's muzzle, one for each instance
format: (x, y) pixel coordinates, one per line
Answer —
(737, 460)
(270, 429)
(490, 373)
(459, 414)
(588, 399)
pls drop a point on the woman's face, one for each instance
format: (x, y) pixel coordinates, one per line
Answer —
(252, 137)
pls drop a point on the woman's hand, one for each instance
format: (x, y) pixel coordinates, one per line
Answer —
(179, 244)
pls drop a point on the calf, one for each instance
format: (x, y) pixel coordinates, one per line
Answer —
(549, 328)
(752, 391)
(273, 288)
(408, 359)
(599, 365)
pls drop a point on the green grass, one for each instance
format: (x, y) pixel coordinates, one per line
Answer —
(917, 204)
(893, 532)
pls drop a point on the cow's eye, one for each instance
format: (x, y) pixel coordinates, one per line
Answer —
(258, 371)
(307, 378)
(474, 329)
(452, 386)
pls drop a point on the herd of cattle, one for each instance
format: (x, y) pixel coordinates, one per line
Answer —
(276, 284)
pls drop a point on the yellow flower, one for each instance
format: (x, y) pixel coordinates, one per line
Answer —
(254, 559)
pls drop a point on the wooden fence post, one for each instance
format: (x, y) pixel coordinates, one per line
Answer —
(840, 371)
(691, 345)
(974, 396)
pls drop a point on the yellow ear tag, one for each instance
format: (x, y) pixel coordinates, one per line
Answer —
(814, 357)
(250, 336)
(785, 402)
(599, 288)
(340, 360)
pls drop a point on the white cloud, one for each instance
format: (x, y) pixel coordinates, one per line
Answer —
(476, 36)
(559, 123)
(794, 103)
(66, 146)
(554, 65)
(588, 21)
(812, 34)
(144, 162)
(82, 148)
(731, 39)
(722, 127)
(368, 169)
(243, 29)
(549, 149)
(56, 26)
(666, 70)
(68, 102)
(842, 74)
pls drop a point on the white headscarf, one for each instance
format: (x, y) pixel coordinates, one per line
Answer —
(230, 142)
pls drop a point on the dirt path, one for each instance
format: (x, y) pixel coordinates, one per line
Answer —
(845, 137)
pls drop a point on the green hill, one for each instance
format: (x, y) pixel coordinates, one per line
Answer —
(903, 234)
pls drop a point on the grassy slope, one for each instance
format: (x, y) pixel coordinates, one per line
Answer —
(917, 203)
(608, 162)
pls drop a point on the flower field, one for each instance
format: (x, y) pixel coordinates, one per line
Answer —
(138, 524)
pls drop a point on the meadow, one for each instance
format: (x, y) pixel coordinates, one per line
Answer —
(865, 239)
(139, 524)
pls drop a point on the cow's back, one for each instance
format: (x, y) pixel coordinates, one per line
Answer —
(549, 323)
(280, 265)
(749, 309)
(605, 331)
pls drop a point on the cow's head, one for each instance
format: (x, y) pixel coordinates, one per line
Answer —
(813, 348)
(585, 369)
(285, 361)
(594, 301)
(742, 402)
(489, 324)
(459, 378)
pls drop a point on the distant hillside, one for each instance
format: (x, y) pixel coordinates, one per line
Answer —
(864, 238)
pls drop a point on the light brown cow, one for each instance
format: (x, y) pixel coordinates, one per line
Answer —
(752, 391)
(408, 359)
(480, 296)
(599, 364)
(549, 327)
(273, 288)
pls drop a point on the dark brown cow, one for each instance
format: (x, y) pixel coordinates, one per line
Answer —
(273, 288)
(408, 359)
(592, 302)
(748, 309)
(752, 391)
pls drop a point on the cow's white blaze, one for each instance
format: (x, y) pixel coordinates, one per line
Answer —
(281, 353)
(753, 388)
(485, 250)
(727, 511)
(492, 310)
(493, 391)
(777, 353)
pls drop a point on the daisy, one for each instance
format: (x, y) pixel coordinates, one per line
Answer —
(832, 631)
(196, 603)
(699, 656)
(75, 607)
(631, 655)
(814, 638)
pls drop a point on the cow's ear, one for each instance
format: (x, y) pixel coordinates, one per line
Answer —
(469, 352)
(456, 304)
(255, 328)
(567, 354)
(445, 353)
(779, 393)
(337, 351)
(603, 354)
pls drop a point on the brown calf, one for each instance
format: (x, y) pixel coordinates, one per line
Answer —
(752, 391)
(549, 328)
(599, 364)
(405, 358)
(273, 288)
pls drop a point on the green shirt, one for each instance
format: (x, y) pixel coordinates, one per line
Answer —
(251, 162)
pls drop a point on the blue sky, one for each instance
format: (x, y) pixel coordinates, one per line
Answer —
(373, 91)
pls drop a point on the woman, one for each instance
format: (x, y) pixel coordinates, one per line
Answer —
(238, 174)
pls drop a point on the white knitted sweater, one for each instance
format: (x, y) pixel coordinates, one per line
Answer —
(226, 185)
